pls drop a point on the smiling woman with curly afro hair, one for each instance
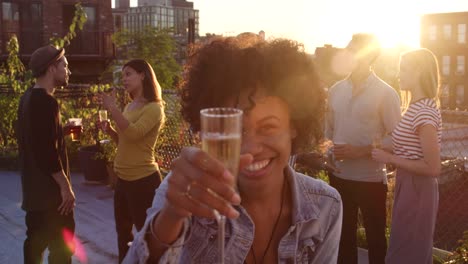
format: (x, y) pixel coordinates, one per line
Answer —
(273, 213)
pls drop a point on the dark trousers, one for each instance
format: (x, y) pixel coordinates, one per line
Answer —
(48, 229)
(131, 200)
(370, 198)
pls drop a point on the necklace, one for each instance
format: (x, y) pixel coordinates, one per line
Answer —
(274, 227)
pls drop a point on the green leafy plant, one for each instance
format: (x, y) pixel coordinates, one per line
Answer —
(79, 19)
(157, 46)
(460, 255)
(107, 152)
(16, 79)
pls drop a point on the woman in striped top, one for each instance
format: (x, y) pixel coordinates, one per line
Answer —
(416, 154)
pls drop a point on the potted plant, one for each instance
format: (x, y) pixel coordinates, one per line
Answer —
(83, 105)
(107, 152)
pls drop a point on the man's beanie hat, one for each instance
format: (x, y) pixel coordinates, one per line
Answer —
(43, 57)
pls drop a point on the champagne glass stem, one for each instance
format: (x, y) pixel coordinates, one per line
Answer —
(221, 219)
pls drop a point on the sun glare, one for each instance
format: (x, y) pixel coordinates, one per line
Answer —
(395, 22)
(392, 24)
(401, 31)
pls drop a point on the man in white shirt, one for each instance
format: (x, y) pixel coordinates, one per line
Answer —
(362, 108)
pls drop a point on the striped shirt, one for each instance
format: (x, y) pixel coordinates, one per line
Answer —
(406, 141)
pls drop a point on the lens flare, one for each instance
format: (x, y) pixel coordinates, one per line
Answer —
(75, 245)
(342, 63)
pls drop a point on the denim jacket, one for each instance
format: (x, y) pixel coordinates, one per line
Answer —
(313, 237)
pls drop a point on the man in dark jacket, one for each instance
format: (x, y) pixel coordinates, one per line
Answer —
(48, 198)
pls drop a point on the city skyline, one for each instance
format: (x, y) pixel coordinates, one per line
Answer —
(316, 24)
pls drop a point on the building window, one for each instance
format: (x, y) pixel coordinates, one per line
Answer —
(23, 20)
(10, 16)
(10, 22)
(446, 65)
(445, 95)
(460, 64)
(432, 32)
(460, 95)
(462, 33)
(447, 31)
(31, 27)
(87, 40)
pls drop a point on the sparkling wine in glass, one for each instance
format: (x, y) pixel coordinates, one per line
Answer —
(338, 141)
(102, 115)
(102, 118)
(377, 144)
(221, 130)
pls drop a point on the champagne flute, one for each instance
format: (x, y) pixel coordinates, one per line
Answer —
(221, 130)
(377, 144)
(103, 117)
(338, 141)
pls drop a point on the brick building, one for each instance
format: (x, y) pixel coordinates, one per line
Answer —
(445, 34)
(34, 22)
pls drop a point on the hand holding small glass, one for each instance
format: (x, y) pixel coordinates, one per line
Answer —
(377, 142)
(378, 145)
(382, 156)
(107, 100)
(339, 150)
(74, 128)
(103, 121)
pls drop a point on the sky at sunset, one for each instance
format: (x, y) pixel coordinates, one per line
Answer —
(320, 22)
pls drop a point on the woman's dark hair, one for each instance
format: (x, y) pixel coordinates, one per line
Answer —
(228, 67)
(151, 87)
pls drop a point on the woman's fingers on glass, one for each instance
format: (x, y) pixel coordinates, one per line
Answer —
(210, 199)
(179, 204)
(215, 188)
(203, 178)
(184, 201)
(203, 161)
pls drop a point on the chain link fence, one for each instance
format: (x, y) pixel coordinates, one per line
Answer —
(452, 218)
(453, 183)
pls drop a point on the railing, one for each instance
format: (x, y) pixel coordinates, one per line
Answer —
(92, 43)
(86, 43)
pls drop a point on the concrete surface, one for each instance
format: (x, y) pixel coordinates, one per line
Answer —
(94, 217)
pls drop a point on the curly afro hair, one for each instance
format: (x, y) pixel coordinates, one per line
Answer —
(227, 67)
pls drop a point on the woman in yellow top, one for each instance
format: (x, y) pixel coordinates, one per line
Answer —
(136, 132)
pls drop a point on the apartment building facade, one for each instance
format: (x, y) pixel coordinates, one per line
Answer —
(445, 34)
(162, 14)
(34, 22)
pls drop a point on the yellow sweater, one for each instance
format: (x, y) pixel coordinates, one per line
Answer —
(135, 151)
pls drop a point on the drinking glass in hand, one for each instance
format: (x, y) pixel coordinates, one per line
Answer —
(75, 128)
(102, 115)
(338, 144)
(221, 130)
(103, 119)
(377, 144)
